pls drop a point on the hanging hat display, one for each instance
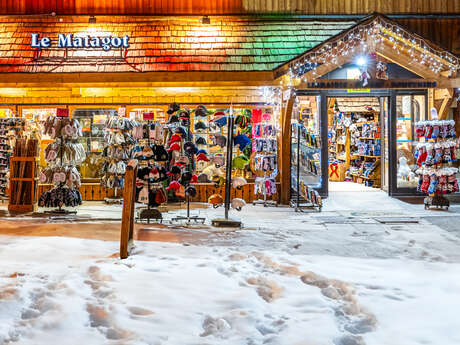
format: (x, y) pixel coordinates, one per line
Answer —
(218, 115)
(221, 122)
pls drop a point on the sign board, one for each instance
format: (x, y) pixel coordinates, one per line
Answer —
(358, 90)
(373, 84)
(80, 41)
(62, 112)
(149, 116)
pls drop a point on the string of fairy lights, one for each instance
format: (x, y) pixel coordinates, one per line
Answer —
(364, 39)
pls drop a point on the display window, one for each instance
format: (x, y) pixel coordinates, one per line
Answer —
(410, 109)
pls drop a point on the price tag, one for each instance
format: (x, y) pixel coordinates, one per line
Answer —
(122, 111)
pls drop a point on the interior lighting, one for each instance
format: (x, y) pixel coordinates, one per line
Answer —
(361, 61)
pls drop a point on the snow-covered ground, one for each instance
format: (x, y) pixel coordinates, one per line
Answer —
(336, 277)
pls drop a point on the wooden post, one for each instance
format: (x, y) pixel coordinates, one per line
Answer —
(127, 220)
(285, 150)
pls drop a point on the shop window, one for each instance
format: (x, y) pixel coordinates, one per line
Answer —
(409, 110)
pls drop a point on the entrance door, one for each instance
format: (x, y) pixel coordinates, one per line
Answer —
(407, 108)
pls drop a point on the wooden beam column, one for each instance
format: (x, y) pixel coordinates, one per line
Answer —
(285, 148)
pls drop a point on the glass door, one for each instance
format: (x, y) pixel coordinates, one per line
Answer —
(307, 145)
(408, 108)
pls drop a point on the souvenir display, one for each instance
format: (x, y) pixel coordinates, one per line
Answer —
(10, 129)
(119, 142)
(63, 156)
(435, 153)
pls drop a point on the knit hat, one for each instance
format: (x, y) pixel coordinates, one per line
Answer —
(202, 157)
(242, 121)
(218, 160)
(240, 162)
(218, 115)
(175, 138)
(238, 182)
(238, 204)
(201, 151)
(201, 111)
(190, 148)
(173, 107)
(201, 141)
(184, 114)
(181, 131)
(221, 122)
(173, 119)
(266, 117)
(241, 140)
(175, 170)
(174, 147)
(219, 140)
(173, 185)
(203, 178)
(200, 125)
(186, 177)
(159, 153)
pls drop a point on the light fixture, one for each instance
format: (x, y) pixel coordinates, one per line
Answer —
(205, 20)
(92, 19)
(361, 61)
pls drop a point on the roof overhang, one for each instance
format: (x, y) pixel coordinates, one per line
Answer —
(379, 36)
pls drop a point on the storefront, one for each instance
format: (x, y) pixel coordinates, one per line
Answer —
(269, 72)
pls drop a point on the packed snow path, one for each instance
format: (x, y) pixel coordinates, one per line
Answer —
(286, 278)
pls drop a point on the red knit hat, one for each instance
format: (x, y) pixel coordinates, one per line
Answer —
(202, 157)
(173, 185)
(174, 147)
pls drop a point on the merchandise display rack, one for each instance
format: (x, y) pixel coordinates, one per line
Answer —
(11, 128)
(435, 154)
(147, 213)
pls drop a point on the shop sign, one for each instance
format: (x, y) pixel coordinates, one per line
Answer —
(148, 116)
(373, 84)
(62, 112)
(72, 41)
